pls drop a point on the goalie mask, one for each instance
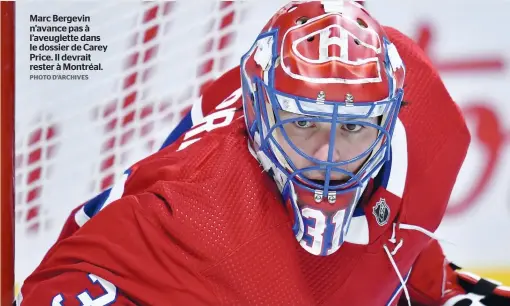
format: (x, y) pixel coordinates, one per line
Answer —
(322, 88)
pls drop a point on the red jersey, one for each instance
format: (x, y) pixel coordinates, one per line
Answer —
(200, 223)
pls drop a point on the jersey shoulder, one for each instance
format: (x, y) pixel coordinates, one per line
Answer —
(215, 191)
(436, 137)
(216, 194)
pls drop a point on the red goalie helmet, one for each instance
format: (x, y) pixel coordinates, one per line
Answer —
(320, 76)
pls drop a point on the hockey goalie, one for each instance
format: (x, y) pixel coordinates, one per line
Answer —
(302, 178)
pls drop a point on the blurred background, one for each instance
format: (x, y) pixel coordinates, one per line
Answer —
(75, 137)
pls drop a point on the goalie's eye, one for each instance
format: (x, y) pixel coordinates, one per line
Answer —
(352, 128)
(303, 124)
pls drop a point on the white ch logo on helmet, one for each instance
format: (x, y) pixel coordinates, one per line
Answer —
(336, 44)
